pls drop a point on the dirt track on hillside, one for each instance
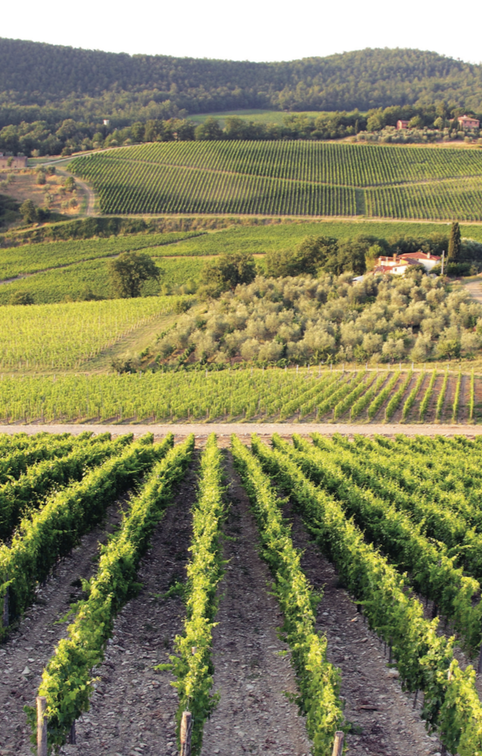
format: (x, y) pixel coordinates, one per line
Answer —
(202, 430)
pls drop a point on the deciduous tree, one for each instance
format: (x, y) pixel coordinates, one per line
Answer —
(129, 271)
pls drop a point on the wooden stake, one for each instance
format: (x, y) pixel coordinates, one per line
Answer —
(5, 614)
(72, 736)
(41, 726)
(479, 665)
(338, 744)
(185, 734)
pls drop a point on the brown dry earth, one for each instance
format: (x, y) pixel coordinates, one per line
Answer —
(252, 665)
(383, 718)
(133, 708)
(30, 646)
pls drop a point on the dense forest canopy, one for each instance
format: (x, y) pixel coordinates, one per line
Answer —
(49, 82)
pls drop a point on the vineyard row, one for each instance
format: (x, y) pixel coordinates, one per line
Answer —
(384, 556)
(286, 178)
(242, 395)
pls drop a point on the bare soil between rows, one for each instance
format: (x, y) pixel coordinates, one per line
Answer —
(253, 674)
(133, 708)
(31, 644)
(384, 721)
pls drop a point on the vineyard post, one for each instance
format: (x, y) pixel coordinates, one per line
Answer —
(338, 744)
(41, 726)
(72, 739)
(185, 734)
(5, 614)
(479, 665)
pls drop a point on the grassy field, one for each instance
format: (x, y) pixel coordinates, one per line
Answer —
(31, 258)
(258, 116)
(54, 271)
(287, 178)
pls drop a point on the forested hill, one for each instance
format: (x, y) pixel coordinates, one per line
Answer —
(38, 77)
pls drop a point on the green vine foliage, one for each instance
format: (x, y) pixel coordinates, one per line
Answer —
(352, 397)
(67, 681)
(445, 501)
(382, 396)
(334, 398)
(397, 397)
(366, 398)
(16, 461)
(409, 402)
(424, 659)
(311, 397)
(24, 494)
(427, 396)
(55, 529)
(318, 680)
(194, 671)
(432, 571)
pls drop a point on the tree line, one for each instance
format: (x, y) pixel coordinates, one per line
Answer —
(68, 136)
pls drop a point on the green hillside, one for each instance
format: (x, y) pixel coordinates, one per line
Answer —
(39, 80)
(287, 178)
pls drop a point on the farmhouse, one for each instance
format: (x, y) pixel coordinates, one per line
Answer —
(467, 122)
(402, 124)
(399, 264)
(11, 162)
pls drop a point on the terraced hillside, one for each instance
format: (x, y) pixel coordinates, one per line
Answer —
(287, 178)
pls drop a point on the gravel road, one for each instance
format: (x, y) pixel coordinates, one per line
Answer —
(245, 429)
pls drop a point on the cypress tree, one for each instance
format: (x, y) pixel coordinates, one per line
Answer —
(454, 243)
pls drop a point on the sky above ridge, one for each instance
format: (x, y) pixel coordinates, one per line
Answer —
(252, 30)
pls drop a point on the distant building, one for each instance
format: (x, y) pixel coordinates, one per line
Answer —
(402, 124)
(467, 122)
(11, 162)
(106, 122)
(426, 259)
(398, 265)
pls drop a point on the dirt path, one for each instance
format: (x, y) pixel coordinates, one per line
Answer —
(28, 649)
(133, 707)
(475, 289)
(224, 430)
(86, 189)
(253, 715)
(383, 718)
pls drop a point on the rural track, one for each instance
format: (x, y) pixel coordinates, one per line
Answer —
(252, 670)
(203, 430)
(31, 643)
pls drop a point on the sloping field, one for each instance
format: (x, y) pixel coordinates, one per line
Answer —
(287, 178)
